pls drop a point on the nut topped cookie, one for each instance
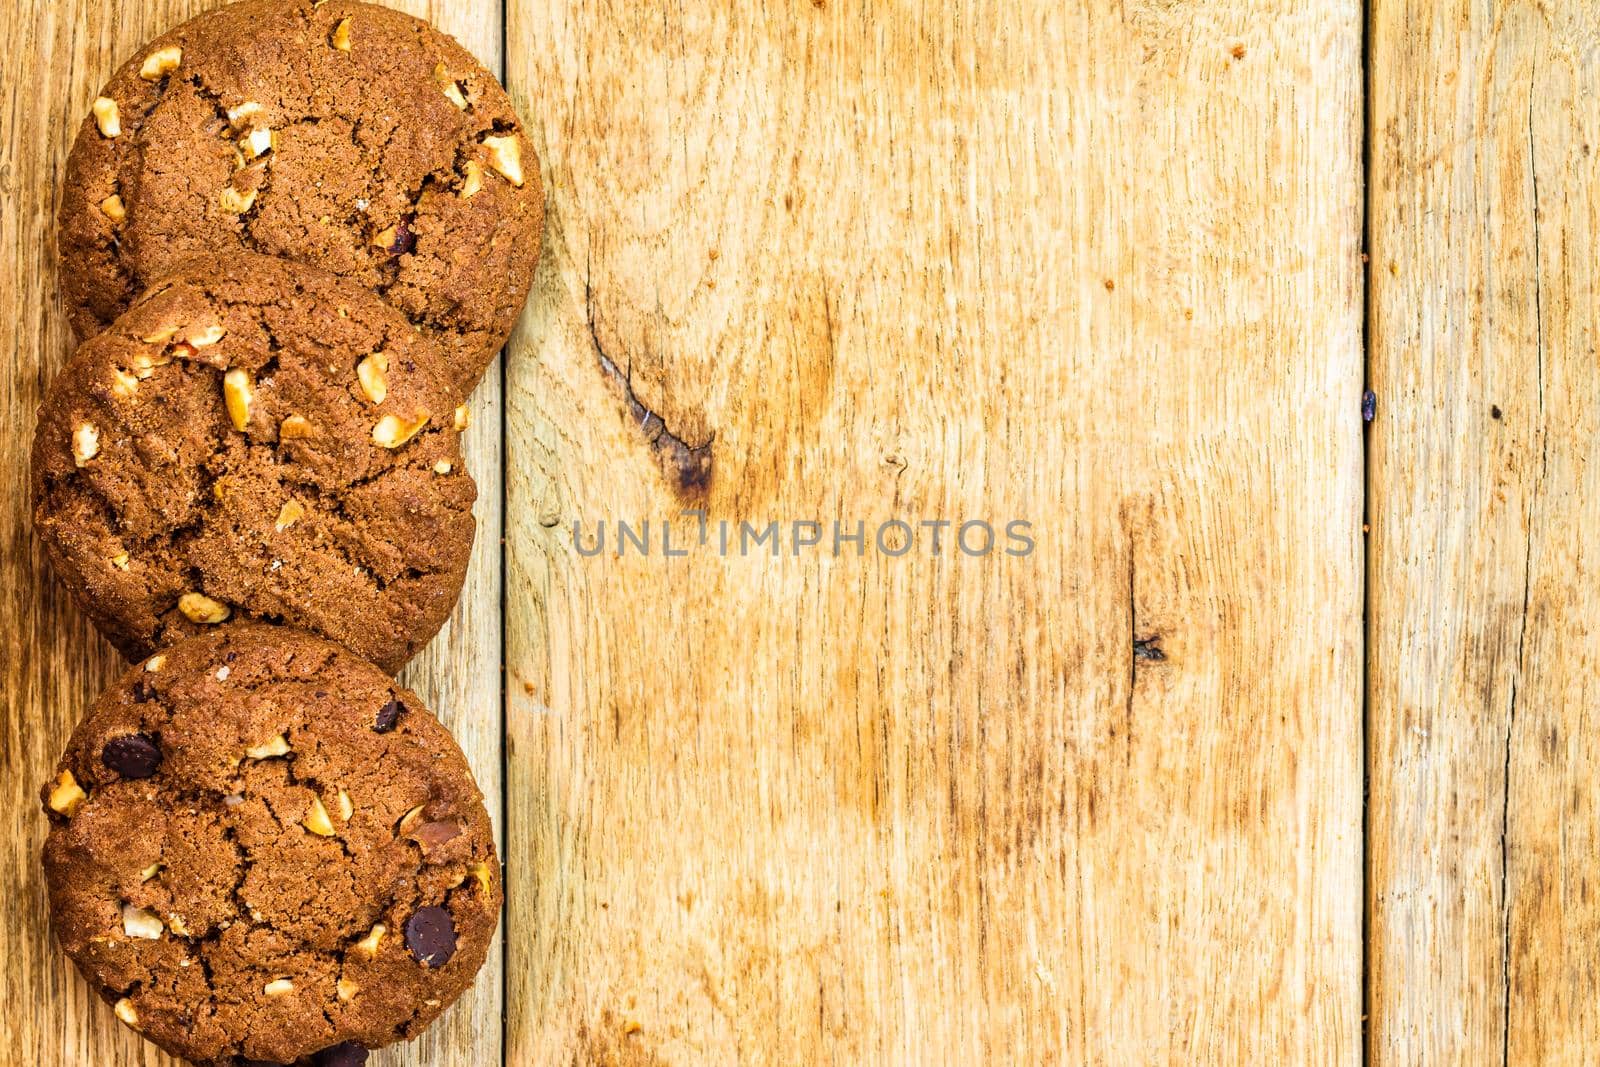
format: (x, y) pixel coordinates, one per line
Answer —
(256, 438)
(342, 134)
(262, 851)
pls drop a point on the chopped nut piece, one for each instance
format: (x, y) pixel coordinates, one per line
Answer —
(371, 373)
(393, 431)
(197, 607)
(341, 36)
(160, 63)
(85, 444)
(317, 820)
(238, 393)
(277, 746)
(136, 922)
(346, 809)
(256, 143)
(505, 156)
(149, 872)
(154, 663)
(369, 944)
(202, 336)
(452, 91)
(346, 989)
(123, 384)
(291, 512)
(295, 427)
(113, 208)
(67, 796)
(161, 336)
(239, 117)
(175, 924)
(485, 876)
(120, 561)
(282, 987)
(145, 365)
(384, 238)
(463, 417)
(125, 1011)
(234, 202)
(107, 117)
(408, 820)
(473, 181)
(442, 467)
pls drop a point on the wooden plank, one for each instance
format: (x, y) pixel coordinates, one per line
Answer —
(53, 662)
(460, 674)
(1088, 266)
(1483, 824)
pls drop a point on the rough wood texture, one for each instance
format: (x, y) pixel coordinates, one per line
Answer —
(1092, 266)
(1484, 823)
(53, 664)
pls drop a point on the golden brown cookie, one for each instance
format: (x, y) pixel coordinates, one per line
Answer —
(263, 851)
(257, 438)
(342, 134)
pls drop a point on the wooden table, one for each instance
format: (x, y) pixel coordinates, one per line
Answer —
(1098, 267)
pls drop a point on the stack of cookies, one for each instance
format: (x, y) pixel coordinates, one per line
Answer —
(293, 235)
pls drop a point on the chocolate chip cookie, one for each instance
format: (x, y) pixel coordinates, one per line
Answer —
(342, 134)
(262, 851)
(257, 438)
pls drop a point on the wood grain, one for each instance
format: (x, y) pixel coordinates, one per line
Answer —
(53, 664)
(1484, 824)
(1094, 267)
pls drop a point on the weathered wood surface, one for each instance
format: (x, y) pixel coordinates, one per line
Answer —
(59, 53)
(1484, 896)
(1093, 266)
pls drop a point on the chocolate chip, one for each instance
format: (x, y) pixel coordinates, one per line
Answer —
(144, 691)
(344, 1054)
(431, 936)
(404, 239)
(388, 715)
(132, 755)
(433, 834)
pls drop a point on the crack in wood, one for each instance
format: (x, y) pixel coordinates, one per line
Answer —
(687, 466)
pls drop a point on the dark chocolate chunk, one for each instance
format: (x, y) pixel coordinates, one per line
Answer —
(431, 936)
(433, 834)
(388, 715)
(132, 755)
(344, 1054)
(404, 239)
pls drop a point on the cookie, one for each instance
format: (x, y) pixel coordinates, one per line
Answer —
(341, 134)
(256, 438)
(262, 851)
